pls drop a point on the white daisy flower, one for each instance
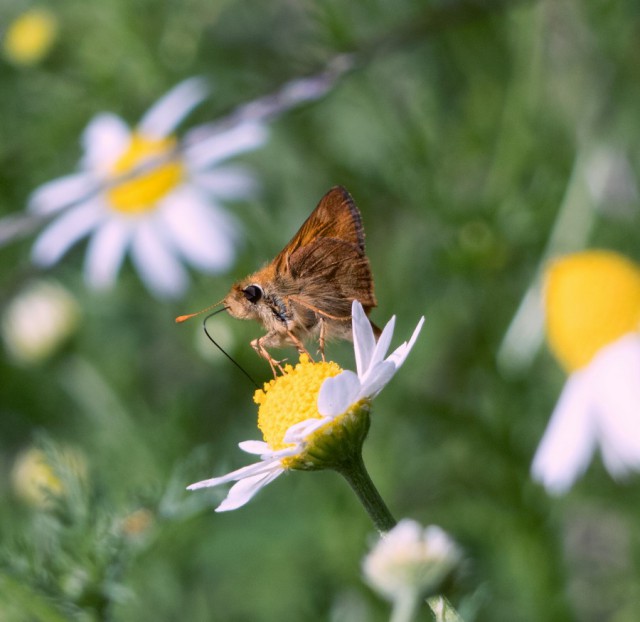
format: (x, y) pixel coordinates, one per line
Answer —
(593, 328)
(311, 405)
(410, 561)
(162, 216)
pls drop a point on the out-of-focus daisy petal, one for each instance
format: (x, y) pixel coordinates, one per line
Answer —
(592, 308)
(615, 376)
(244, 137)
(142, 177)
(62, 192)
(570, 438)
(104, 140)
(156, 263)
(105, 252)
(410, 562)
(227, 182)
(338, 393)
(364, 340)
(242, 492)
(203, 234)
(163, 117)
(58, 237)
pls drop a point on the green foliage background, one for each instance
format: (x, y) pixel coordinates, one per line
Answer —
(460, 137)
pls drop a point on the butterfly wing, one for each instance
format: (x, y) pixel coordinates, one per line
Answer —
(336, 216)
(332, 273)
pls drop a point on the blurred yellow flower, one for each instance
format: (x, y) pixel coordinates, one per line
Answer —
(30, 37)
(34, 479)
(593, 328)
(592, 298)
(38, 320)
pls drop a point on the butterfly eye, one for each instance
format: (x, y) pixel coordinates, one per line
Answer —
(252, 293)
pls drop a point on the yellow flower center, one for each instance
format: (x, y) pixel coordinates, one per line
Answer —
(291, 398)
(592, 299)
(30, 37)
(143, 190)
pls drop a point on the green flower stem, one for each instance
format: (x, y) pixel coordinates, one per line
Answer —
(358, 478)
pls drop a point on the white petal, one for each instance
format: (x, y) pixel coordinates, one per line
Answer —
(204, 234)
(105, 252)
(220, 146)
(62, 192)
(265, 452)
(156, 263)
(105, 139)
(227, 182)
(283, 453)
(338, 393)
(384, 341)
(399, 355)
(364, 341)
(299, 431)
(59, 236)
(615, 377)
(377, 379)
(163, 117)
(257, 468)
(254, 447)
(569, 440)
(242, 492)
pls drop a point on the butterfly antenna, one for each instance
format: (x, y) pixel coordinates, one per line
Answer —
(217, 345)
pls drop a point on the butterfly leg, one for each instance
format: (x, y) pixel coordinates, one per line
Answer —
(258, 346)
(321, 338)
(298, 344)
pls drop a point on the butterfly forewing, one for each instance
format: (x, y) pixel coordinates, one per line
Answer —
(336, 216)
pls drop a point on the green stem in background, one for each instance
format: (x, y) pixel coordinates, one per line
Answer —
(358, 478)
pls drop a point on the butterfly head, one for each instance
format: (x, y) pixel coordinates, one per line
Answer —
(245, 300)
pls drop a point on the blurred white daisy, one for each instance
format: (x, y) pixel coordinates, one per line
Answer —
(140, 191)
(313, 410)
(593, 328)
(38, 321)
(409, 562)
